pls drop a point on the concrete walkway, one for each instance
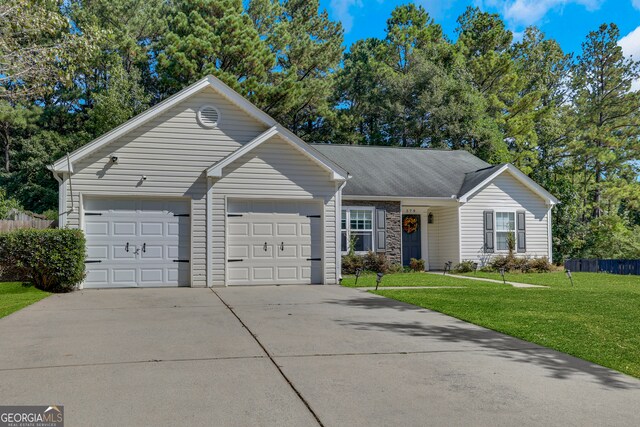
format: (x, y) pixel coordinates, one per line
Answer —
(290, 356)
(482, 279)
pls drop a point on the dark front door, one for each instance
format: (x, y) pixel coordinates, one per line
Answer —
(411, 243)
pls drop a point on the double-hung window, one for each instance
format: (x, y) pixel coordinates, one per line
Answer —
(357, 229)
(505, 225)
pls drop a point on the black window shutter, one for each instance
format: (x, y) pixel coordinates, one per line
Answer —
(521, 229)
(488, 232)
(381, 230)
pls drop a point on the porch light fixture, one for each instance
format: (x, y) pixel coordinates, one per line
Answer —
(430, 218)
(569, 276)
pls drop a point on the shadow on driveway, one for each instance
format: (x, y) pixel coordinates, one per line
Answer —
(559, 365)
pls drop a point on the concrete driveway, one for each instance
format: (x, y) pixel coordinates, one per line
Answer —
(290, 355)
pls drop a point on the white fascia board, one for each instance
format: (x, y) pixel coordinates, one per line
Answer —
(215, 171)
(140, 119)
(338, 173)
(516, 173)
(411, 201)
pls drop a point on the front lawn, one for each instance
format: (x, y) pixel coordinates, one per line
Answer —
(598, 319)
(14, 296)
(559, 278)
(401, 279)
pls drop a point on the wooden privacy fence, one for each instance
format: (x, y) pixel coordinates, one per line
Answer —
(613, 266)
(15, 224)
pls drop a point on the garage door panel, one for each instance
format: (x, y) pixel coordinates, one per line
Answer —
(154, 252)
(238, 273)
(287, 273)
(153, 229)
(111, 224)
(98, 252)
(238, 251)
(125, 276)
(263, 273)
(100, 228)
(151, 275)
(262, 251)
(262, 229)
(97, 276)
(288, 251)
(286, 228)
(238, 229)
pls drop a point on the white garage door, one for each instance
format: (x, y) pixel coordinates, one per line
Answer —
(274, 242)
(137, 242)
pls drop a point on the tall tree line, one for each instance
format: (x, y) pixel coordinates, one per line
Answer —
(72, 70)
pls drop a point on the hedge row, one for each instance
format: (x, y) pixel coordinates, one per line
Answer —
(51, 259)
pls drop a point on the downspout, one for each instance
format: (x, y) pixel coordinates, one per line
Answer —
(339, 232)
(70, 186)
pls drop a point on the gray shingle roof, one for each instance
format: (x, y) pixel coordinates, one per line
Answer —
(404, 172)
(474, 178)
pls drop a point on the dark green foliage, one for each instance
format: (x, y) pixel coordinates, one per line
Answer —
(352, 262)
(376, 262)
(512, 263)
(52, 259)
(464, 267)
(416, 264)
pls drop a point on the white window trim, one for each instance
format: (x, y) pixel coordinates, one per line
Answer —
(495, 229)
(373, 231)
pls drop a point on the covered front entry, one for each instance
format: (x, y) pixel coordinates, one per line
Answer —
(137, 242)
(274, 242)
(411, 241)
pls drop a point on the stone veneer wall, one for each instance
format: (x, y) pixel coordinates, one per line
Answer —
(394, 225)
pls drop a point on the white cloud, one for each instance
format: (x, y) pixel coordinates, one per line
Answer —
(630, 45)
(341, 11)
(636, 4)
(529, 12)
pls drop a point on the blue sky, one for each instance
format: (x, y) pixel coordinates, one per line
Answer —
(567, 21)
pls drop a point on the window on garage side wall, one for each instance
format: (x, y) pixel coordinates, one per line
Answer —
(357, 227)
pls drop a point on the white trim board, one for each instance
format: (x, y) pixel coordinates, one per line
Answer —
(66, 163)
(516, 173)
(215, 171)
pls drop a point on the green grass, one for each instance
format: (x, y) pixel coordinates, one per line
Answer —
(14, 296)
(559, 278)
(401, 279)
(598, 319)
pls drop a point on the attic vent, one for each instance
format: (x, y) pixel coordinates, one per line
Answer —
(208, 116)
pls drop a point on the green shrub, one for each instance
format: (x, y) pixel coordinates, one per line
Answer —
(395, 268)
(539, 265)
(416, 264)
(351, 262)
(465, 266)
(513, 263)
(376, 262)
(52, 259)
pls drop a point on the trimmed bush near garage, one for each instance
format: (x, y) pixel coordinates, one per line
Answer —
(52, 259)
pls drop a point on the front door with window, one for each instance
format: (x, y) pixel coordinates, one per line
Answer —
(411, 242)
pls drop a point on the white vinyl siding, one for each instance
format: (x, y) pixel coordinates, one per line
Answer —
(275, 169)
(172, 151)
(442, 237)
(504, 194)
